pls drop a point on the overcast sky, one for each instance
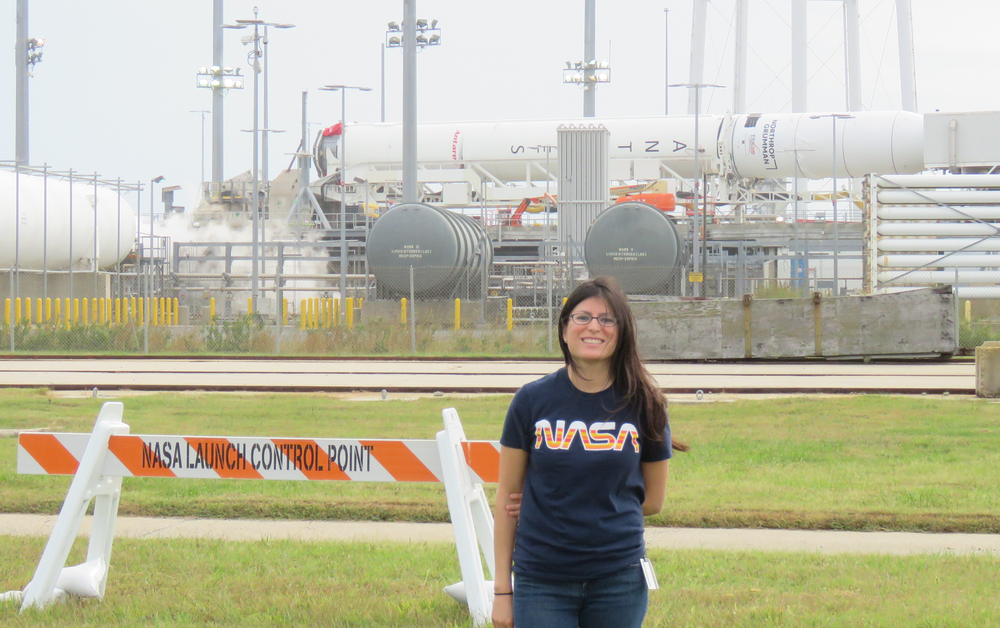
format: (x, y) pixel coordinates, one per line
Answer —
(114, 91)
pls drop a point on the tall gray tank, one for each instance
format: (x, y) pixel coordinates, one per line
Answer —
(638, 245)
(448, 252)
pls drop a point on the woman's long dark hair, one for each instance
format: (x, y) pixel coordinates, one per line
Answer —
(630, 378)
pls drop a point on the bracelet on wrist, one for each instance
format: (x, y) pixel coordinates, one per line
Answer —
(508, 593)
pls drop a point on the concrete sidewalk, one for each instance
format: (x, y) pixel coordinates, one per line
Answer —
(820, 541)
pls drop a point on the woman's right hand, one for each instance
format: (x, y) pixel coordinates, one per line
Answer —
(514, 507)
(503, 611)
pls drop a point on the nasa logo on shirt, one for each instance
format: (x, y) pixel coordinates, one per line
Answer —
(600, 436)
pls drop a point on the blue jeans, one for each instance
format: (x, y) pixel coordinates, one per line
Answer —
(615, 601)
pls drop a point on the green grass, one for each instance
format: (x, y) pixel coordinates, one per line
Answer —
(858, 463)
(184, 582)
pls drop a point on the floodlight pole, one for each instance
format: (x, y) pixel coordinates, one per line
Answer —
(697, 87)
(21, 85)
(589, 55)
(343, 182)
(410, 101)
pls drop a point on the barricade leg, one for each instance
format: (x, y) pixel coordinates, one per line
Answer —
(51, 573)
(471, 520)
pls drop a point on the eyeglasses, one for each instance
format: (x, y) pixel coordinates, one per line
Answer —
(581, 318)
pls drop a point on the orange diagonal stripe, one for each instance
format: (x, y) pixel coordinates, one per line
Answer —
(222, 457)
(49, 453)
(131, 451)
(399, 461)
(310, 459)
(484, 459)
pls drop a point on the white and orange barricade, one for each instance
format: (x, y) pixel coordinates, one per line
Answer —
(99, 460)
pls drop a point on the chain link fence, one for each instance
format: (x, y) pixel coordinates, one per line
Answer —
(510, 308)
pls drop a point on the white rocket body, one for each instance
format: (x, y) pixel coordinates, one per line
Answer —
(750, 146)
(37, 245)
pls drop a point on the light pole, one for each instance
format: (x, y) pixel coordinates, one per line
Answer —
(220, 80)
(698, 267)
(836, 240)
(343, 180)
(202, 112)
(28, 52)
(796, 261)
(255, 63)
(152, 252)
(666, 61)
(267, 129)
(409, 40)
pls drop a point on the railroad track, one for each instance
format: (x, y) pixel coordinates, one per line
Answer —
(471, 376)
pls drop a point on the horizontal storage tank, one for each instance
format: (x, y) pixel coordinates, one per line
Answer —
(35, 202)
(636, 244)
(447, 251)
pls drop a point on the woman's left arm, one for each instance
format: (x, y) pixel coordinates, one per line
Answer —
(654, 475)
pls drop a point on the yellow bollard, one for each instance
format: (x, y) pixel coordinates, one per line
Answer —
(564, 301)
(302, 314)
(38, 311)
(118, 311)
(85, 310)
(57, 311)
(284, 311)
(27, 311)
(140, 311)
(402, 310)
(324, 318)
(349, 312)
(93, 310)
(100, 311)
(328, 321)
(6, 311)
(68, 313)
(510, 314)
(17, 311)
(177, 311)
(968, 311)
(48, 309)
(249, 306)
(458, 314)
(164, 319)
(211, 309)
(168, 310)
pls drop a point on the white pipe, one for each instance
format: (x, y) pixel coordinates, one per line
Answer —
(906, 245)
(800, 53)
(907, 74)
(938, 229)
(852, 35)
(740, 58)
(696, 73)
(946, 197)
(936, 212)
(964, 292)
(959, 260)
(938, 276)
(914, 181)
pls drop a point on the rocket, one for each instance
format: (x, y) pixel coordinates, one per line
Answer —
(744, 146)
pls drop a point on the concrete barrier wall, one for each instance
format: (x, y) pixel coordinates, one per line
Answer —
(917, 323)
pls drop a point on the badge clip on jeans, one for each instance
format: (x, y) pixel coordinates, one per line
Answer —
(647, 570)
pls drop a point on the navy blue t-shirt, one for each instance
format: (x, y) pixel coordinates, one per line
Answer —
(581, 510)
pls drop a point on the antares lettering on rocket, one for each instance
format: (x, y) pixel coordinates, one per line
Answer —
(744, 145)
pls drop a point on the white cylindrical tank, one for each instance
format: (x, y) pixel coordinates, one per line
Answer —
(24, 207)
(883, 142)
(503, 148)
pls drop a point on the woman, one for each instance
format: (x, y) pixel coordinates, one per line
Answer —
(587, 447)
